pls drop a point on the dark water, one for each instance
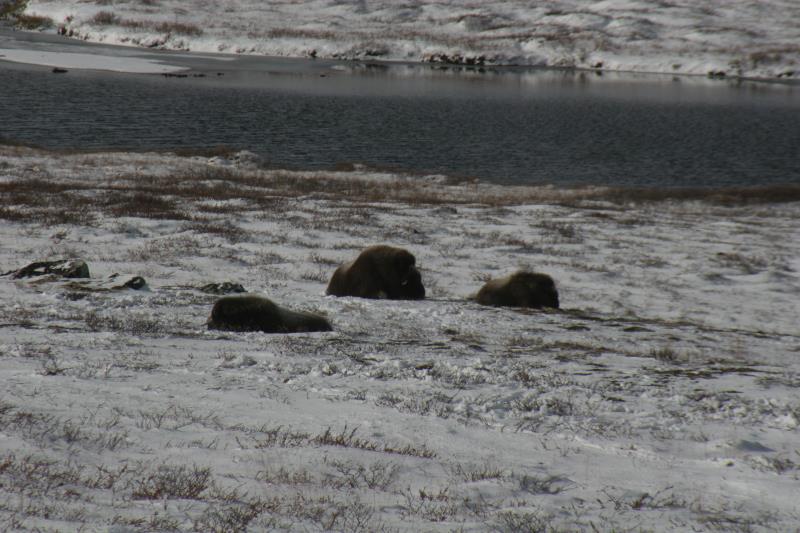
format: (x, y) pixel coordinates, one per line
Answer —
(514, 127)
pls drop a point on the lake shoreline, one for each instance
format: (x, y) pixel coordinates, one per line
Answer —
(191, 63)
(228, 156)
(754, 41)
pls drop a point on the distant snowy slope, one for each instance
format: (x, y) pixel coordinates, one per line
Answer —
(757, 39)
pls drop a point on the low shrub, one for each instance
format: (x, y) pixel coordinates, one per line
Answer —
(104, 18)
(12, 8)
(33, 22)
(180, 28)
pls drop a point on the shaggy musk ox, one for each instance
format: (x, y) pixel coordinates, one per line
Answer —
(379, 272)
(523, 289)
(255, 313)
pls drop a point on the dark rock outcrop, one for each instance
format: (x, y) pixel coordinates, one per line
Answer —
(62, 268)
(226, 287)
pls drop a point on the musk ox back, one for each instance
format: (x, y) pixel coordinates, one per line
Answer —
(256, 313)
(379, 272)
(522, 289)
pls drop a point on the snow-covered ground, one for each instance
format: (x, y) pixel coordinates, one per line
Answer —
(755, 39)
(663, 396)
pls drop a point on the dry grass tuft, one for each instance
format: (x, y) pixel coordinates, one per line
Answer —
(348, 439)
(104, 18)
(170, 481)
(108, 18)
(729, 196)
(225, 229)
(135, 324)
(143, 205)
(33, 22)
(180, 28)
(12, 8)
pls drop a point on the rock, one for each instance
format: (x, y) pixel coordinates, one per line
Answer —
(136, 283)
(63, 268)
(247, 159)
(226, 287)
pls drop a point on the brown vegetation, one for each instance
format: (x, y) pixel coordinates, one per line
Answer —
(57, 202)
(33, 22)
(107, 18)
(104, 18)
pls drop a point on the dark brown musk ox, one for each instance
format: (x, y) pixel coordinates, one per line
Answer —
(521, 289)
(256, 313)
(379, 272)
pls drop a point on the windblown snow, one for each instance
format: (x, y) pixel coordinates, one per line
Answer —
(662, 396)
(752, 39)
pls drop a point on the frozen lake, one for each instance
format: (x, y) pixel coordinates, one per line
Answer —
(507, 126)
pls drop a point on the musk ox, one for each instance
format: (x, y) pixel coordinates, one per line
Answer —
(256, 313)
(379, 272)
(522, 289)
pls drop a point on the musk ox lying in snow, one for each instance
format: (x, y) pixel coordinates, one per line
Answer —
(522, 289)
(256, 313)
(379, 272)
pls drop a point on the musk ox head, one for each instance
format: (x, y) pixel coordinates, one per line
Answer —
(522, 289)
(256, 313)
(379, 272)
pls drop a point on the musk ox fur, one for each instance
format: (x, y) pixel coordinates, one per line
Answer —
(256, 313)
(521, 289)
(379, 272)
